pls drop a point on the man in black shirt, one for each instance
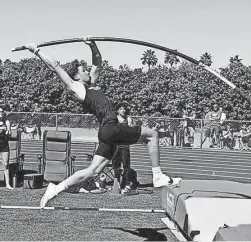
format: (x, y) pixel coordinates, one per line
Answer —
(111, 133)
(123, 152)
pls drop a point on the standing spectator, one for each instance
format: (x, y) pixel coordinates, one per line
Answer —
(206, 123)
(245, 135)
(215, 122)
(37, 119)
(5, 132)
(175, 127)
(227, 138)
(188, 124)
(122, 155)
(164, 133)
(222, 117)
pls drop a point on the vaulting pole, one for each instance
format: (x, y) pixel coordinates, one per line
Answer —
(113, 39)
(143, 43)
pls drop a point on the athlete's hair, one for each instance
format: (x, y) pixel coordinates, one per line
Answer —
(73, 69)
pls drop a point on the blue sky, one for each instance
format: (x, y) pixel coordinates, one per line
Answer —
(193, 27)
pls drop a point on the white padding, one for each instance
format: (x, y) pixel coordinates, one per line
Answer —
(209, 214)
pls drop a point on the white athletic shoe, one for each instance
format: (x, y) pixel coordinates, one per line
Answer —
(48, 195)
(164, 180)
(126, 190)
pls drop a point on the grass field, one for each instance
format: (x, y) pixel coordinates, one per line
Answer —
(33, 225)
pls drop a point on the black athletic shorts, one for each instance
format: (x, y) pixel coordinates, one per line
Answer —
(113, 134)
(4, 146)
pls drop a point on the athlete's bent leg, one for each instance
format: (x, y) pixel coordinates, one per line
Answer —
(97, 165)
(151, 138)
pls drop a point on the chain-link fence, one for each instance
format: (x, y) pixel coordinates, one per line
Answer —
(33, 125)
(173, 132)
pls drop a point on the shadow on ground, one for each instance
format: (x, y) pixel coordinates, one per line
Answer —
(149, 234)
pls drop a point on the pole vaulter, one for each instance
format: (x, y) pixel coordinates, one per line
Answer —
(143, 43)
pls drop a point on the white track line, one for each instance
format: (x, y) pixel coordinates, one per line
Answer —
(85, 209)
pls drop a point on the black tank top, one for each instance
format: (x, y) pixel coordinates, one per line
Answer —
(99, 105)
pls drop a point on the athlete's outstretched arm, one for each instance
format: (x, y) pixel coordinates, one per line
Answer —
(96, 61)
(54, 65)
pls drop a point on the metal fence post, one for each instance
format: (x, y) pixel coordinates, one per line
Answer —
(56, 122)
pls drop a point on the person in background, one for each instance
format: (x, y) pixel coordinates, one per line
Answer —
(164, 133)
(206, 123)
(5, 132)
(188, 125)
(37, 119)
(122, 155)
(175, 126)
(227, 138)
(245, 135)
(215, 123)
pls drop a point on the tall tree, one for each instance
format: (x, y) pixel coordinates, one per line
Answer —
(237, 69)
(171, 59)
(206, 59)
(149, 58)
(235, 60)
(124, 67)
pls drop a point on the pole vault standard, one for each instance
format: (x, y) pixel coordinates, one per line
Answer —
(138, 42)
(86, 209)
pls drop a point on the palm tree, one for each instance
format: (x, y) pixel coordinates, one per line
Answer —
(171, 59)
(237, 66)
(105, 63)
(149, 58)
(124, 67)
(206, 59)
(235, 60)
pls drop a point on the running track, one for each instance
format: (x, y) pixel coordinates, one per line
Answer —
(187, 163)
